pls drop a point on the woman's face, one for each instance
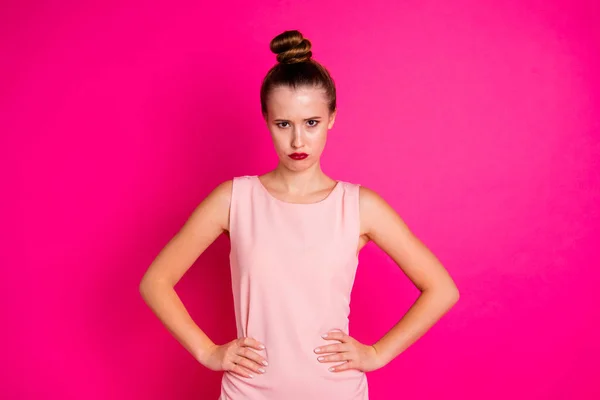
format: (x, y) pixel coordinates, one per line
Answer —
(298, 120)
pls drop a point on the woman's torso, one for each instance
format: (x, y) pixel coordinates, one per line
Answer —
(293, 268)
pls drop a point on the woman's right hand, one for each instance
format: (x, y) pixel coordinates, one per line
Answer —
(236, 356)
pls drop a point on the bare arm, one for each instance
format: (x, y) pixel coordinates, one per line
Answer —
(381, 224)
(209, 220)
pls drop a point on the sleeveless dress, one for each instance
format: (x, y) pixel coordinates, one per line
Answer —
(293, 268)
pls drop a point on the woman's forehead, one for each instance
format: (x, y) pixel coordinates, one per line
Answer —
(298, 101)
(301, 94)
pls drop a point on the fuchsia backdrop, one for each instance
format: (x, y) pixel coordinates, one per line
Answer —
(478, 123)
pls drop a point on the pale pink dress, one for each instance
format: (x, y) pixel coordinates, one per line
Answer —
(293, 268)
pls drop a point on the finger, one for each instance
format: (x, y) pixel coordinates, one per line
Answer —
(336, 335)
(342, 367)
(251, 355)
(345, 356)
(250, 342)
(250, 365)
(242, 371)
(332, 348)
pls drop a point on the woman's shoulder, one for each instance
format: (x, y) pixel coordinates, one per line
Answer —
(369, 198)
(227, 185)
(241, 179)
(357, 187)
(226, 188)
(374, 208)
(221, 193)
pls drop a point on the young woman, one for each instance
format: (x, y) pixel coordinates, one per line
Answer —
(295, 237)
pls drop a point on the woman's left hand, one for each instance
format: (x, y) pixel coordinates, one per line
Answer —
(354, 354)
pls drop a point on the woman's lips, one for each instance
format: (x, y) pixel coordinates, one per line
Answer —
(298, 156)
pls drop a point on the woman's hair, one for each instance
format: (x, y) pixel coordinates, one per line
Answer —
(296, 68)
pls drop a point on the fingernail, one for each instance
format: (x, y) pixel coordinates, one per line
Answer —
(262, 346)
(250, 376)
(317, 350)
(331, 369)
(324, 335)
(265, 363)
(321, 358)
(261, 370)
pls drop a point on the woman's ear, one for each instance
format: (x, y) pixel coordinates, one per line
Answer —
(331, 119)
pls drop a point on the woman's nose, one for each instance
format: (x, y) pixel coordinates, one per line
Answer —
(297, 141)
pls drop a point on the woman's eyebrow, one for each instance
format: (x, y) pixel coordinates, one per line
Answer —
(287, 120)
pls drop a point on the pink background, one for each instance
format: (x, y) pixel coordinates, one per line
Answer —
(478, 123)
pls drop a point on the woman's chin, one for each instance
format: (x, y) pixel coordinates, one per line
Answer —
(299, 165)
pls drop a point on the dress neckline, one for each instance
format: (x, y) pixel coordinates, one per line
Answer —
(325, 199)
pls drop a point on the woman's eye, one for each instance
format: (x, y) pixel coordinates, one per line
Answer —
(311, 123)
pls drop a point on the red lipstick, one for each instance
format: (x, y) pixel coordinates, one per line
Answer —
(298, 156)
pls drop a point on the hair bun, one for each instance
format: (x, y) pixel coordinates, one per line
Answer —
(291, 47)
